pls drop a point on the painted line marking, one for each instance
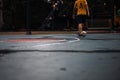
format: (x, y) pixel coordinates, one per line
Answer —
(62, 41)
(65, 41)
(34, 40)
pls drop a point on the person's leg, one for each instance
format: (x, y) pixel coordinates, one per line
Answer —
(80, 27)
(85, 26)
(79, 23)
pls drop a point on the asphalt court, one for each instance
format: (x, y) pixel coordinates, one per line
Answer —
(60, 57)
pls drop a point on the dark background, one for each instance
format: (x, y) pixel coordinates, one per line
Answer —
(15, 13)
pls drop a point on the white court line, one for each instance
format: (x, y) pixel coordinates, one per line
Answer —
(49, 44)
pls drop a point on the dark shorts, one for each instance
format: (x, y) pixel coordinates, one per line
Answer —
(81, 19)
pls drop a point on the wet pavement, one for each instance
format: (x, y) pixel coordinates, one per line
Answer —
(60, 57)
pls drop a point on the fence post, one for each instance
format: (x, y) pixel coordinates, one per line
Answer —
(28, 17)
(1, 14)
(112, 13)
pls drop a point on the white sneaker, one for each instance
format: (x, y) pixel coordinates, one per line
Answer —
(83, 33)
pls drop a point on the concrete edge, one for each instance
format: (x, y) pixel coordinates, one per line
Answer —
(52, 32)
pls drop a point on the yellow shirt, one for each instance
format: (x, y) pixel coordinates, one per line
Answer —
(80, 5)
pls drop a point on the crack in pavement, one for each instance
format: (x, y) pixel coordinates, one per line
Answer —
(7, 51)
